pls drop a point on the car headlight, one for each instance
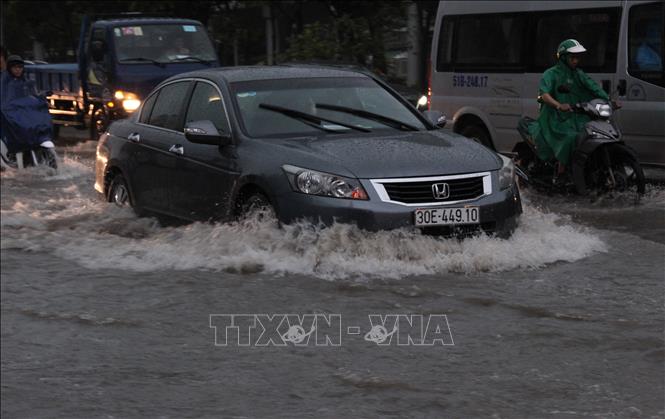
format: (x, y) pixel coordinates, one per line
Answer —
(507, 173)
(312, 182)
(130, 101)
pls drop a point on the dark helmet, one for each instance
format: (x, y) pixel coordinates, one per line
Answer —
(13, 60)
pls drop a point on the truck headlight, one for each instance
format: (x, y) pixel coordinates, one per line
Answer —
(312, 182)
(507, 173)
(130, 101)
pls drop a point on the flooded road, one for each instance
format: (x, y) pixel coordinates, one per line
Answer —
(108, 315)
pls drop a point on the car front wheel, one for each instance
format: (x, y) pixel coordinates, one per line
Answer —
(257, 205)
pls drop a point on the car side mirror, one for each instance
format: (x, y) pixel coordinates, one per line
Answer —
(436, 118)
(205, 132)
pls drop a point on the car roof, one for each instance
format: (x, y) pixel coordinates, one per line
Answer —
(276, 72)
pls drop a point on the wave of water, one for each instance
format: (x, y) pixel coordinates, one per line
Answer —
(62, 215)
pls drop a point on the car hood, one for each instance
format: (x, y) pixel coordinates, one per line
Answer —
(423, 153)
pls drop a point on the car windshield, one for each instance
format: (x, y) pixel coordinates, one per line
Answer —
(162, 44)
(313, 105)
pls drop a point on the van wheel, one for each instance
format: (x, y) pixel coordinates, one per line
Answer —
(477, 134)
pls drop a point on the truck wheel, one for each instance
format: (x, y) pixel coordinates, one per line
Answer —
(477, 134)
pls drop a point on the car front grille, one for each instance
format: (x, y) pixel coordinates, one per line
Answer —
(459, 189)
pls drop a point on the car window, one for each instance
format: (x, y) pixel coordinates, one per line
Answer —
(147, 108)
(596, 29)
(358, 93)
(206, 104)
(645, 42)
(166, 112)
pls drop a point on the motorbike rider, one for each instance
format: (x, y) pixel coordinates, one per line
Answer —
(13, 81)
(561, 86)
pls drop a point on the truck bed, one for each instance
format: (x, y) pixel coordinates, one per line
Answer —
(66, 101)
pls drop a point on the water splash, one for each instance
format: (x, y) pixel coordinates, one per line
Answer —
(60, 214)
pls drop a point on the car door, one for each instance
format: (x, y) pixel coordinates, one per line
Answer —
(206, 173)
(154, 163)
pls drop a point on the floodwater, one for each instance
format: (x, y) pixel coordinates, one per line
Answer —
(108, 315)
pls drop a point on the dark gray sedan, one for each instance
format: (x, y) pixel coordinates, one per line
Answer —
(322, 144)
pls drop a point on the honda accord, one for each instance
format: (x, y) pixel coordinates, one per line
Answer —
(317, 143)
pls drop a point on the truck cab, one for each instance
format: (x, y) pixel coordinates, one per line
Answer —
(120, 60)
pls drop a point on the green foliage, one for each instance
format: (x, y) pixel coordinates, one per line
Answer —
(348, 38)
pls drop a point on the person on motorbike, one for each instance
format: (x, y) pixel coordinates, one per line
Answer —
(26, 123)
(14, 83)
(561, 86)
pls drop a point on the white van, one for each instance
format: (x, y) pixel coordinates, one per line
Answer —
(488, 57)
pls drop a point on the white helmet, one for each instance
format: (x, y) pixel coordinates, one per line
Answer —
(569, 46)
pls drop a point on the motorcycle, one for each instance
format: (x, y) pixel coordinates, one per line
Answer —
(26, 134)
(601, 161)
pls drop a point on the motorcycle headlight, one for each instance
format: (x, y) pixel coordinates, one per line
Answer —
(312, 182)
(604, 110)
(507, 173)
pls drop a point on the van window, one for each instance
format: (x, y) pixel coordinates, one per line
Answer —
(596, 29)
(490, 42)
(645, 43)
(206, 104)
(444, 55)
(167, 110)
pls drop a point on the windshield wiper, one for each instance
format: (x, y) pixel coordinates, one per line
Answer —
(394, 123)
(189, 57)
(309, 119)
(155, 62)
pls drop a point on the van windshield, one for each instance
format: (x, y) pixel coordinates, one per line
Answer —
(311, 105)
(162, 43)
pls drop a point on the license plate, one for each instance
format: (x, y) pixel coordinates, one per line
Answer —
(446, 216)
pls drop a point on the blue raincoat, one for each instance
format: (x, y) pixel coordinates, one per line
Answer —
(26, 122)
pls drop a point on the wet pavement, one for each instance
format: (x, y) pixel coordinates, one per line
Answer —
(108, 315)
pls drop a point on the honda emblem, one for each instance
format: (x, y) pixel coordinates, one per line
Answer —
(440, 190)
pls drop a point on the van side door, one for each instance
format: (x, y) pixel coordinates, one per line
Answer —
(641, 80)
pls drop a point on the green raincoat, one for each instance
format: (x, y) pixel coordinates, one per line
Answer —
(555, 132)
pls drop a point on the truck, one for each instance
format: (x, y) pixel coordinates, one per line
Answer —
(121, 58)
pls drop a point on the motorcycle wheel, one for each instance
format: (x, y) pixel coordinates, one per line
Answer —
(46, 157)
(7, 159)
(617, 171)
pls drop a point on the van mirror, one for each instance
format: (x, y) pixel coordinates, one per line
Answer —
(205, 132)
(437, 118)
